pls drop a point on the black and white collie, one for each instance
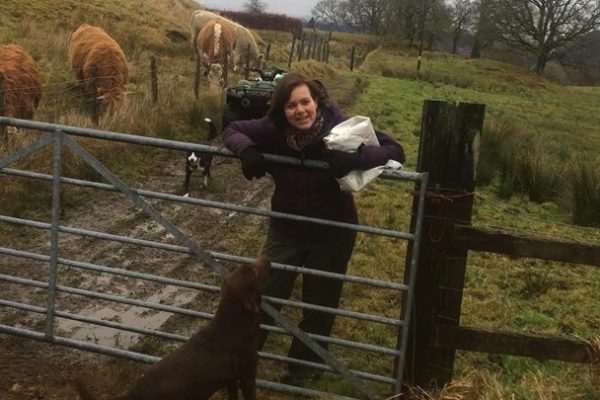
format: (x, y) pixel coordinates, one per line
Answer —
(202, 162)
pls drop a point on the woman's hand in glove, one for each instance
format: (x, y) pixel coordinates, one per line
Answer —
(342, 162)
(253, 163)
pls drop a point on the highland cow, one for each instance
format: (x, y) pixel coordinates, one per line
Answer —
(98, 63)
(20, 82)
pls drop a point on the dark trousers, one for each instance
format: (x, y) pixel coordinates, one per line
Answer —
(330, 255)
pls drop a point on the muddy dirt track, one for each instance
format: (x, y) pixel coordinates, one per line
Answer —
(31, 369)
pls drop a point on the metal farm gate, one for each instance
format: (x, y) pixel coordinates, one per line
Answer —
(59, 136)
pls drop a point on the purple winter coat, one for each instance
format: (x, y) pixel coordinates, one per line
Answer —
(305, 191)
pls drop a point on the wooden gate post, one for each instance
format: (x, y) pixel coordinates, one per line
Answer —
(448, 150)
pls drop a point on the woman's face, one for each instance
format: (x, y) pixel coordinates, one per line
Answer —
(301, 108)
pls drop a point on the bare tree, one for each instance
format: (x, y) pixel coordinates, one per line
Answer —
(255, 6)
(328, 11)
(544, 27)
(460, 13)
(485, 31)
(437, 21)
(360, 15)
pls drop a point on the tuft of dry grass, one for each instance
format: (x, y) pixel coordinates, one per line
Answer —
(457, 390)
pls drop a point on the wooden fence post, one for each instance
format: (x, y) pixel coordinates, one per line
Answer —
(314, 46)
(301, 51)
(154, 79)
(95, 101)
(292, 51)
(322, 50)
(1, 93)
(246, 72)
(352, 59)
(268, 51)
(448, 150)
(327, 48)
(310, 43)
(2, 127)
(197, 78)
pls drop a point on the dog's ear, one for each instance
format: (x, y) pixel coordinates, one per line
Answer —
(262, 268)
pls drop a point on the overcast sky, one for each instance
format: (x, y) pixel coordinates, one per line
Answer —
(294, 8)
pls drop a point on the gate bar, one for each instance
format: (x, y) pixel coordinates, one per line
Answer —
(217, 255)
(177, 145)
(216, 204)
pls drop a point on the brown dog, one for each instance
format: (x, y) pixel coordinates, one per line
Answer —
(221, 354)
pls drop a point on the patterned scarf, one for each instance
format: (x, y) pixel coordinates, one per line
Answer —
(297, 139)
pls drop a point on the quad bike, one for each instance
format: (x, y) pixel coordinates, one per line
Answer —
(251, 98)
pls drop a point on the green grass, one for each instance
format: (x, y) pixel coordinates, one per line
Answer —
(518, 295)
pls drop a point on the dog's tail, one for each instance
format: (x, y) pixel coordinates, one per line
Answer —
(212, 129)
(84, 393)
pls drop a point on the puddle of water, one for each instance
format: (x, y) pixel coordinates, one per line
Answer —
(125, 314)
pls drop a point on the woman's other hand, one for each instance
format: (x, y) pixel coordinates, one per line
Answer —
(253, 163)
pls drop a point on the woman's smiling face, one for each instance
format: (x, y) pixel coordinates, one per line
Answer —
(301, 108)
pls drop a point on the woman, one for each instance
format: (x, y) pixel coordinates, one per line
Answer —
(301, 114)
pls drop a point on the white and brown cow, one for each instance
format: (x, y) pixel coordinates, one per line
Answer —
(215, 39)
(244, 38)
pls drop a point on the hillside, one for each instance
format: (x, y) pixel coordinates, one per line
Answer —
(561, 124)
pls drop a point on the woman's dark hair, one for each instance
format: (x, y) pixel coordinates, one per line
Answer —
(284, 89)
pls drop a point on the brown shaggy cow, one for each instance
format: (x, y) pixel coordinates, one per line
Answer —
(94, 54)
(221, 355)
(215, 39)
(20, 82)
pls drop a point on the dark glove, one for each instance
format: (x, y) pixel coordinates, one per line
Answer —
(253, 163)
(342, 162)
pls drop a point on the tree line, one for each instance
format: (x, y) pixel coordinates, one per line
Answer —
(545, 29)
